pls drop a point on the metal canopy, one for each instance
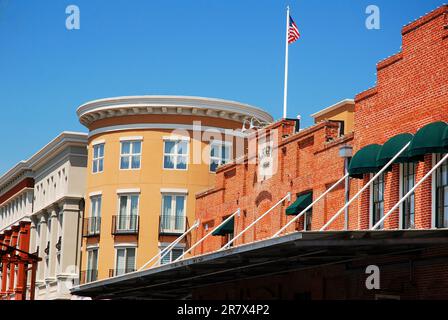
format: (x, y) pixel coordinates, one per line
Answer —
(278, 255)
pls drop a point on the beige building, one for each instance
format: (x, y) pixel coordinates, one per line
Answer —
(59, 171)
(342, 112)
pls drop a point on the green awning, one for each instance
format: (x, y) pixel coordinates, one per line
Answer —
(303, 201)
(226, 228)
(364, 161)
(445, 139)
(428, 139)
(392, 147)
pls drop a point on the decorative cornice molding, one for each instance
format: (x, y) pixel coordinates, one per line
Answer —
(176, 105)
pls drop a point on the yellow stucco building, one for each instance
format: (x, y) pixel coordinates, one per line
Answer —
(147, 158)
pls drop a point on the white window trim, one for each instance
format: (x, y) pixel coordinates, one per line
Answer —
(97, 142)
(121, 245)
(400, 195)
(99, 158)
(125, 246)
(136, 138)
(433, 193)
(95, 194)
(130, 155)
(185, 206)
(128, 191)
(187, 154)
(176, 138)
(92, 246)
(163, 245)
(174, 190)
(221, 144)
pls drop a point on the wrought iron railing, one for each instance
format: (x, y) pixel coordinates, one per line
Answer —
(91, 227)
(170, 224)
(122, 224)
(118, 272)
(88, 276)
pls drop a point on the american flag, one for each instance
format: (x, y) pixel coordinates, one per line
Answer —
(293, 32)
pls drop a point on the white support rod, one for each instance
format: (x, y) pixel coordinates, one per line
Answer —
(288, 196)
(365, 187)
(410, 192)
(237, 212)
(165, 251)
(310, 206)
(285, 92)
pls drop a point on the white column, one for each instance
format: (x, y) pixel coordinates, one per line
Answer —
(53, 238)
(42, 246)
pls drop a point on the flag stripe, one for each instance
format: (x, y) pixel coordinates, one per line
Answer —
(293, 31)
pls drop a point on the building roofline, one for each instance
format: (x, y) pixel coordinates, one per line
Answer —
(62, 140)
(333, 107)
(159, 104)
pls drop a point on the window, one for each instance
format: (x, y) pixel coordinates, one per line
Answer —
(175, 154)
(98, 158)
(308, 219)
(173, 213)
(92, 265)
(125, 261)
(172, 255)
(408, 206)
(219, 154)
(378, 199)
(95, 215)
(442, 194)
(131, 152)
(128, 212)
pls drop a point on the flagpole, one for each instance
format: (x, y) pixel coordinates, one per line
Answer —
(285, 94)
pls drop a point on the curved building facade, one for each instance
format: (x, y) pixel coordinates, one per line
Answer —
(147, 158)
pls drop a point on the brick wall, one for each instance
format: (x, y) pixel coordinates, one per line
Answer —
(411, 91)
(307, 161)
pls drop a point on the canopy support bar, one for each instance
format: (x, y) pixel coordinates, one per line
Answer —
(227, 245)
(310, 206)
(365, 187)
(410, 192)
(165, 251)
(237, 212)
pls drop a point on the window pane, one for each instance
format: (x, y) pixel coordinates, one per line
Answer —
(95, 152)
(95, 166)
(121, 263)
(101, 150)
(168, 162)
(125, 148)
(180, 212)
(182, 147)
(166, 259)
(100, 165)
(123, 205)
(135, 162)
(134, 205)
(124, 164)
(137, 147)
(214, 150)
(181, 162)
(130, 263)
(176, 253)
(169, 147)
(213, 165)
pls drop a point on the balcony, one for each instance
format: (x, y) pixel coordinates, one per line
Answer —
(91, 227)
(125, 225)
(172, 225)
(119, 272)
(88, 276)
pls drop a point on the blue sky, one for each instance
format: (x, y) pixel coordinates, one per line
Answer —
(230, 49)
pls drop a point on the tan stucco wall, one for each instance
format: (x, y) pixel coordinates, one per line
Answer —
(149, 179)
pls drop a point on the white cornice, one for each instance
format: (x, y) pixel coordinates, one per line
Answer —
(333, 107)
(180, 105)
(64, 140)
